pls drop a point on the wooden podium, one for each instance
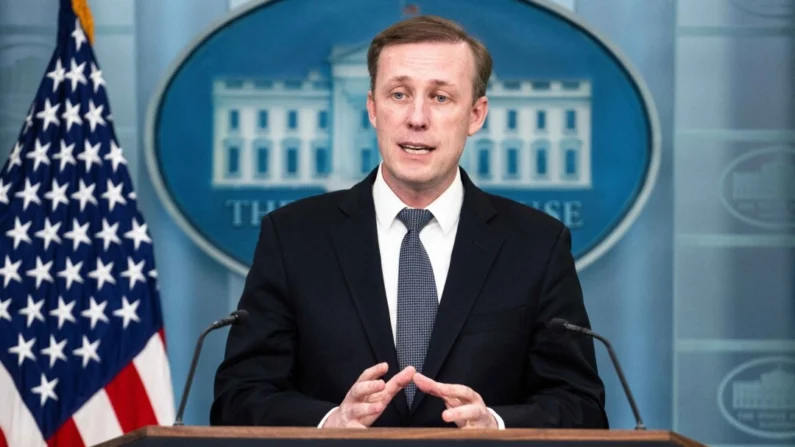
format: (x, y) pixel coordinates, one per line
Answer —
(394, 437)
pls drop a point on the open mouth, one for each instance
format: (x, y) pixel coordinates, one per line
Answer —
(416, 149)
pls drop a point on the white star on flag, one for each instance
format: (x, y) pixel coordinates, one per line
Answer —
(134, 272)
(115, 156)
(57, 194)
(71, 115)
(4, 305)
(94, 115)
(85, 194)
(49, 233)
(46, 390)
(71, 273)
(138, 234)
(48, 115)
(128, 312)
(29, 119)
(108, 234)
(19, 233)
(55, 351)
(14, 158)
(96, 77)
(79, 35)
(4, 187)
(41, 272)
(64, 311)
(95, 312)
(32, 311)
(90, 155)
(76, 74)
(10, 271)
(78, 234)
(65, 155)
(23, 349)
(88, 351)
(57, 75)
(113, 194)
(29, 194)
(39, 155)
(102, 274)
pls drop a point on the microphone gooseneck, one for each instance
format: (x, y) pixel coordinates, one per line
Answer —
(237, 317)
(560, 323)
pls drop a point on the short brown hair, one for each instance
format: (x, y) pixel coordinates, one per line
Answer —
(428, 28)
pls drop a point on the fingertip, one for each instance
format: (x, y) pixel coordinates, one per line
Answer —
(424, 380)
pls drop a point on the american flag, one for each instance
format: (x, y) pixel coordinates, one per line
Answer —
(82, 351)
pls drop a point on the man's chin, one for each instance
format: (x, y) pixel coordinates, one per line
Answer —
(415, 178)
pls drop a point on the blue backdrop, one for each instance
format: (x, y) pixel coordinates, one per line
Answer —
(698, 296)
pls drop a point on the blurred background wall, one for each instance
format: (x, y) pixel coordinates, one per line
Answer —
(697, 297)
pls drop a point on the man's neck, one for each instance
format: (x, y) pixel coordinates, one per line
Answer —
(417, 198)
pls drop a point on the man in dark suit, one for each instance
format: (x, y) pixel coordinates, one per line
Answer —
(414, 298)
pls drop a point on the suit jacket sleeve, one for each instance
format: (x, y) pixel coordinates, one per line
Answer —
(253, 385)
(564, 388)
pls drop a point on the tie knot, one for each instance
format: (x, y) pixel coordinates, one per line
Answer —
(414, 219)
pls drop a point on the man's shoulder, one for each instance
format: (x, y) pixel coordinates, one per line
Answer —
(316, 209)
(524, 219)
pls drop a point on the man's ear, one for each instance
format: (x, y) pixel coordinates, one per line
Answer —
(477, 116)
(371, 108)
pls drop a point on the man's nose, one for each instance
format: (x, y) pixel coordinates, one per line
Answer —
(418, 118)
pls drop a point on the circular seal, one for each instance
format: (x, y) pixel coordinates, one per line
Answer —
(758, 397)
(268, 107)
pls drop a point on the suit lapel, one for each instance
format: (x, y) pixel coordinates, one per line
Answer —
(355, 242)
(476, 246)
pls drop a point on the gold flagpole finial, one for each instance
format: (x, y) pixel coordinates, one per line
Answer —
(83, 13)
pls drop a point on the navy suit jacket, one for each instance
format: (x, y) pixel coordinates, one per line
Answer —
(319, 317)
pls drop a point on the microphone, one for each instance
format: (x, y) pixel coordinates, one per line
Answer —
(560, 323)
(237, 317)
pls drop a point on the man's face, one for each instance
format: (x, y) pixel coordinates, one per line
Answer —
(422, 109)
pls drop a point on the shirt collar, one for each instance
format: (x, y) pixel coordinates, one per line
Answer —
(446, 209)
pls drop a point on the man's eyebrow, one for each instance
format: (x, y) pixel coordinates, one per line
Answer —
(441, 83)
(435, 82)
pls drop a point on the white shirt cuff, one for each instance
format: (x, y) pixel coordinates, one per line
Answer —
(500, 422)
(323, 421)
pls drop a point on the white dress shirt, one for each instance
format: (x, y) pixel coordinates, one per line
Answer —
(438, 238)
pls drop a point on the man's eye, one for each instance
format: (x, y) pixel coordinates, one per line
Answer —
(398, 95)
(441, 98)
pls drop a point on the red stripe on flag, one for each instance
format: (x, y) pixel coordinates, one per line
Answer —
(67, 435)
(3, 442)
(162, 334)
(130, 401)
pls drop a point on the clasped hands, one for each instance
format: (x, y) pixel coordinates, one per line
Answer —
(370, 395)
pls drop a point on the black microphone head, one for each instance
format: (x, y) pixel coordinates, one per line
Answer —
(242, 316)
(557, 323)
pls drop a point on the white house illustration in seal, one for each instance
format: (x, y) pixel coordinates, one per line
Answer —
(758, 397)
(316, 131)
